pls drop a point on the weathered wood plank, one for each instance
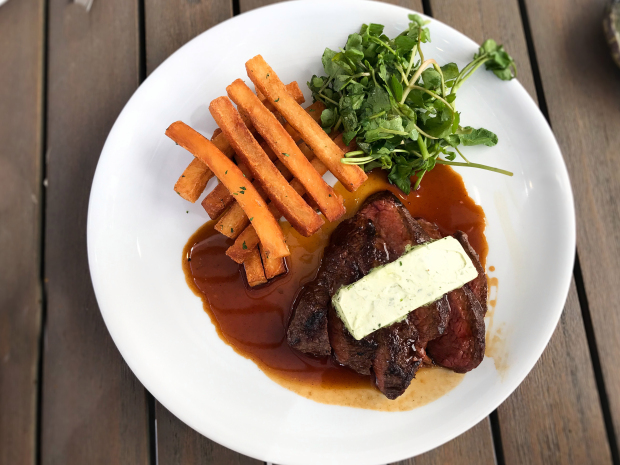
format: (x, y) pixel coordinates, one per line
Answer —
(94, 409)
(582, 90)
(531, 432)
(472, 447)
(483, 19)
(169, 25)
(415, 5)
(21, 84)
(555, 415)
(247, 5)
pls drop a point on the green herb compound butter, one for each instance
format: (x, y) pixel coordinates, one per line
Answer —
(388, 293)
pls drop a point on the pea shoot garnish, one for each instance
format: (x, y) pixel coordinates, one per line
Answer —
(400, 105)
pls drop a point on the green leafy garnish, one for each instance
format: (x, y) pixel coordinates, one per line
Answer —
(399, 106)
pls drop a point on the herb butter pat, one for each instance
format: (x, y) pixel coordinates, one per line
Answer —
(388, 293)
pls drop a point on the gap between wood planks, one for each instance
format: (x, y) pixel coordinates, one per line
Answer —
(42, 210)
(577, 275)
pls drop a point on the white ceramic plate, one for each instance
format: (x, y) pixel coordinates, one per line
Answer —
(137, 227)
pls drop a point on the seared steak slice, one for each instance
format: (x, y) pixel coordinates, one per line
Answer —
(461, 348)
(307, 330)
(353, 251)
(397, 358)
(479, 286)
(393, 222)
(430, 228)
(461, 345)
(431, 320)
(357, 355)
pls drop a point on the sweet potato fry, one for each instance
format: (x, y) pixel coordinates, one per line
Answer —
(244, 244)
(235, 218)
(234, 221)
(218, 200)
(266, 80)
(248, 239)
(294, 208)
(313, 110)
(253, 266)
(196, 176)
(293, 90)
(255, 208)
(193, 181)
(273, 266)
(286, 149)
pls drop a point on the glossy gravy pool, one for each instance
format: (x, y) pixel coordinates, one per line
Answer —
(253, 321)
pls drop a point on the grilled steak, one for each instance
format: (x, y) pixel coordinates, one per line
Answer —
(397, 358)
(461, 347)
(353, 251)
(478, 286)
(378, 234)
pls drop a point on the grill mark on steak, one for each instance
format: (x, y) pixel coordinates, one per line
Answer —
(397, 358)
(431, 320)
(450, 329)
(357, 355)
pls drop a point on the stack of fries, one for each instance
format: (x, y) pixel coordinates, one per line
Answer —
(268, 154)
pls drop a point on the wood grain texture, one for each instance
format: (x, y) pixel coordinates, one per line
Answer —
(415, 5)
(473, 447)
(170, 24)
(555, 415)
(21, 75)
(483, 19)
(582, 90)
(247, 5)
(177, 443)
(94, 409)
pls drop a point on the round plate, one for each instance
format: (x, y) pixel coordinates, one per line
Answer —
(137, 227)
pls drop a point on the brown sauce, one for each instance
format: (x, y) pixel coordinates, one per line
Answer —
(253, 321)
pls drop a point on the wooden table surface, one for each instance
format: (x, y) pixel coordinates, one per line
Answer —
(67, 396)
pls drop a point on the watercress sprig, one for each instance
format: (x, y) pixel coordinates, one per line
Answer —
(398, 105)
